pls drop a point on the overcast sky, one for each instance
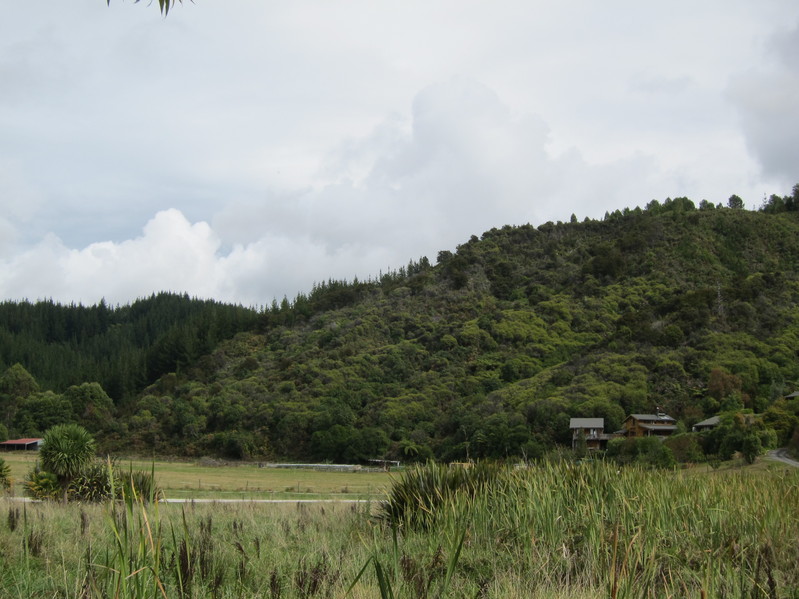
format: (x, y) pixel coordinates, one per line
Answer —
(243, 150)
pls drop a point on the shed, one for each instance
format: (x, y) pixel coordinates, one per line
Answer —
(21, 445)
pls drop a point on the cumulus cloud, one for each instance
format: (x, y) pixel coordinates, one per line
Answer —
(767, 98)
(171, 254)
(460, 163)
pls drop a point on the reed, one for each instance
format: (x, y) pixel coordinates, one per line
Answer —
(550, 531)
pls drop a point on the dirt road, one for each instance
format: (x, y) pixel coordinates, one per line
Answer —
(781, 455)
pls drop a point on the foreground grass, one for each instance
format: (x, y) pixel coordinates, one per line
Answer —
(551, 531)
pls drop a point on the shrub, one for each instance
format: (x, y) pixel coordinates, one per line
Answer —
(95, 483)
(141, 485)
(41, 484)
(685, 447)
(99, 481)
(751, 447)
(645, 451)
(415, 498)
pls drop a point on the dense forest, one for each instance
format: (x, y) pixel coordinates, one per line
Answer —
(123, 348)
(487, 353)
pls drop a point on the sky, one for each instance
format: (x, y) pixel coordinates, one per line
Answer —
(244, 151)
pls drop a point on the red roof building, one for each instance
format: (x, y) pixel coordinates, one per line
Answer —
(21, 445)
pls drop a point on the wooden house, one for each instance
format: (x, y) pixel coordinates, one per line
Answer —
(592, 430)
(649, 425)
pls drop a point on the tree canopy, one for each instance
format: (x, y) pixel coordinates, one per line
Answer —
(486, 354)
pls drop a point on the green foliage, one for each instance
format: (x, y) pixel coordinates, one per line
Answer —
(42, 485)
(751, 447)
(91, 405)
(101, 480)
(17, 382)
(96, 482)
(121, 348)
(40, 412)
(66, 450)
(422, 491)
(686, 448)
(735, 202)
(740, 432)
(644, 451)
(485, 355)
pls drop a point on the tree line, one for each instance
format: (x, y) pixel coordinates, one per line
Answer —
(485, 354)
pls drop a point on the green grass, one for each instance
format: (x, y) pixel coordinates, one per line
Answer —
(187, 480)
(552, 531)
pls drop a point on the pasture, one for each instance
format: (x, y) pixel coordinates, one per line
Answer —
(231, 480)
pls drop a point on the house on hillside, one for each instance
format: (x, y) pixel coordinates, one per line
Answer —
(21, 445)
(793, 395)
(649, 425)
(705, 425)
(592, 430)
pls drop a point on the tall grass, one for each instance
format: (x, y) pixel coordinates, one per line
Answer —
(552, 531)
(621, 533)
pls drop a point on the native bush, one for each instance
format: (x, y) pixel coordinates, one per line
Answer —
(94, 483)
(42, 485)
(98, 481)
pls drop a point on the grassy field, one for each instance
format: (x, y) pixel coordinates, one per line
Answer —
(550, 531)
(186, 480)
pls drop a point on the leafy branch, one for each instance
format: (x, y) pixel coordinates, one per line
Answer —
(165, 5)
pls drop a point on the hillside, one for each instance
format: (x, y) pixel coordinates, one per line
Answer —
(121, 347)
(491, 351)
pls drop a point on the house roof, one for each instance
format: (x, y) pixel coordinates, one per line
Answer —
(792, 395)
(20, 441)
(587, 423)
(652, 417)
(712, 421)
(659, 427)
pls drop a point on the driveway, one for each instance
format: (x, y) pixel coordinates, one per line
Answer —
(781, 455)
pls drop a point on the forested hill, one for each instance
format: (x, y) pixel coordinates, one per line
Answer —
(123, 348)
(491, 351)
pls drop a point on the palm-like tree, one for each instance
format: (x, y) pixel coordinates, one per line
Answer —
(66, 450)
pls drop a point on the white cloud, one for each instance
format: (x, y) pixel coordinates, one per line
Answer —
(465, 163)
(301, 141)
(172, 254)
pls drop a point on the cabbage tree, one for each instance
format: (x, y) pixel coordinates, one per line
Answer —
(66, 450)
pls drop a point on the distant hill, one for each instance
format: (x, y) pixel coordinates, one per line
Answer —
(487, 353)
(123, 348)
